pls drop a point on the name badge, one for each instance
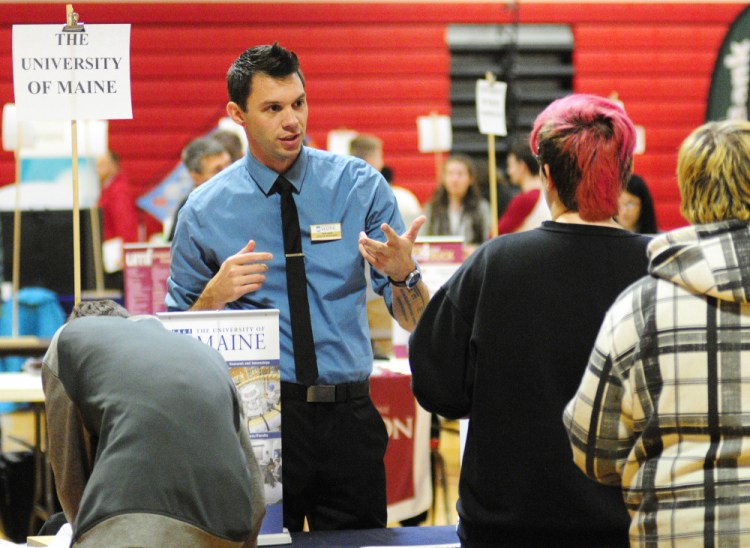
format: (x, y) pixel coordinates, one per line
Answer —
(326, 232)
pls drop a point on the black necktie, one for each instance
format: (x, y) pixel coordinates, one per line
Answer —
(306, 365)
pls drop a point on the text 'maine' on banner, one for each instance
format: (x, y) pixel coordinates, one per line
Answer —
(59, 75)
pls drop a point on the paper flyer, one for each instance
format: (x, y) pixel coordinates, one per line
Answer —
(146, 269)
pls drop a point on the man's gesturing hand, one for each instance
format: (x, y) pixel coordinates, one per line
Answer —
(392, 257)
(240, 274)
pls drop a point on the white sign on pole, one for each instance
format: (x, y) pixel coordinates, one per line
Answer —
(435, 133)
(491, 107)
(640, 140)
(84, 75)
(11, 129)
(339, 140)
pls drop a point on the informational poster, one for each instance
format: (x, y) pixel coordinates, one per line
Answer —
(249, 342)
(146, 269)
(60, 74)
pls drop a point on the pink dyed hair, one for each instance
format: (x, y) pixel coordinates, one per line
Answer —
(588, 143)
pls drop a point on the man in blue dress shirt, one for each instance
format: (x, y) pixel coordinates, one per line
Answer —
(228, 252)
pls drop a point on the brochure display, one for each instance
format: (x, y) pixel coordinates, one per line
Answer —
(249, 342)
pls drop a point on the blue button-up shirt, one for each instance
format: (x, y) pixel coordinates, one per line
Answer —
(238, 205)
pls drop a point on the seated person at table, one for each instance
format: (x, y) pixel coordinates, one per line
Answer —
(457, 207)
(146, 436)
(506, 339)
(663, 409)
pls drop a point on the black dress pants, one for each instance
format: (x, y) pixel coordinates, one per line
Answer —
(333, 471)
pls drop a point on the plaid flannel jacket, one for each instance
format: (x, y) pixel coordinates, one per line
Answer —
(664, 406)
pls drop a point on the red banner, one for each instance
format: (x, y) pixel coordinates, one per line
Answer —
(409, 488)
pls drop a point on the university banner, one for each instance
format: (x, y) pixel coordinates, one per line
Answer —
(249, 342)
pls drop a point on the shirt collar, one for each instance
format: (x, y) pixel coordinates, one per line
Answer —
(265, 177)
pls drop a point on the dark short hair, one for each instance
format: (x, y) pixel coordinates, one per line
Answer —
(105, 307)
(522, 152)
(273, 61)
(647, 221)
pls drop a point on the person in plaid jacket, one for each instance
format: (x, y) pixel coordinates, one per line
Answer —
(663, 409)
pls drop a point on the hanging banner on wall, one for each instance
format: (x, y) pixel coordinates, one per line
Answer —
(730, 81)
(63, 75)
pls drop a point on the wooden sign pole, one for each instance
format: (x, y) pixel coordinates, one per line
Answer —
(16, 344)
(96, 236)
(72, 25)
(492, 170)
(436, 140)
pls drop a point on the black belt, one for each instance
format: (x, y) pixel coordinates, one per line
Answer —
(325, 393)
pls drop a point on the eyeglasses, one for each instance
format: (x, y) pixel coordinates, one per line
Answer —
(629, 205)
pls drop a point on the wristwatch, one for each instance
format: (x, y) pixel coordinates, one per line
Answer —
(411, 280)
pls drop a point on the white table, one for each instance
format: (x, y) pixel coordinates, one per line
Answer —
(23, 346)
(21, 387)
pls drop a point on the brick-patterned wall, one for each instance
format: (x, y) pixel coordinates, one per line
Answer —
(376, 67)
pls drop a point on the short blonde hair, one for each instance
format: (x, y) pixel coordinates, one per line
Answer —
(713, 172)
(364, 145)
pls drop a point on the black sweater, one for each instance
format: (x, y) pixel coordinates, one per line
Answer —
(506, 342)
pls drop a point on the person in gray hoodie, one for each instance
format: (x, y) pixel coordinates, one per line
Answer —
(663, 410)
(146, 436)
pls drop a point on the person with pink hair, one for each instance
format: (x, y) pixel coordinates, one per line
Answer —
(506, 340)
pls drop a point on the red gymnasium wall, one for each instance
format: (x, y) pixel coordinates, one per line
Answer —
(377, 67)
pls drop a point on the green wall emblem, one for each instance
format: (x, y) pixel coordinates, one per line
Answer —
(730, 82)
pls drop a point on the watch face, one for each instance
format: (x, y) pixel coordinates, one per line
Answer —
(413, 279)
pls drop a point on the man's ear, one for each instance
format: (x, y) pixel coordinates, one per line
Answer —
(235, 113)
